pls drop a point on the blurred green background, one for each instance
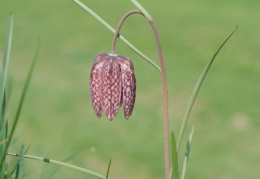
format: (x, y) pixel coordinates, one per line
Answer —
(58, 121)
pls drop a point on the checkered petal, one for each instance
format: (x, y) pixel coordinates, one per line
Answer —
(95, 84)
(128, 85)
(112, 83)
(111, 87)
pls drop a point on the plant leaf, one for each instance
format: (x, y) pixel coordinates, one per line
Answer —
(196, 90)
(175, 170)
(108, 169)
(3, 123)
(21, 101)
(63, 164)
(187, 153)
(19, 170)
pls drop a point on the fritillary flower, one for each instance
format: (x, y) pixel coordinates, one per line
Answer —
(112, 83)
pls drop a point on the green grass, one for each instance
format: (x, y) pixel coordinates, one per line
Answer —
(57, 119)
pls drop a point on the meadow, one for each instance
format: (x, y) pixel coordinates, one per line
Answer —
(58, 121)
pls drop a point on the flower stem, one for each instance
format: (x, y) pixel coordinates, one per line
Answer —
(117, 35)
(165, 102)
(165, 91)
(98, 18)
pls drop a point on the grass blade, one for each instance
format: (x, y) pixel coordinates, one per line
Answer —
(187, 153)
(19, 170)
(175, 170)
(6, 58)
(51, 170)
(63, 164)
(108, 169)
(3, 121)
(109, 27)
(196, 91)
(3, 139)
(140, 7)
(3, 136)
(20, 105)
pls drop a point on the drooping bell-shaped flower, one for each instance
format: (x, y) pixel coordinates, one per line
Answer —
(112, 83)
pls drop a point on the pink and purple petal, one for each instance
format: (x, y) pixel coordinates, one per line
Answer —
(95, 85)
(112, 83)
(111, 87)
(128, 85)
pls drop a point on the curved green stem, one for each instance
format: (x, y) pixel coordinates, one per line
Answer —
(113, 31)
(59, 163)
(119, 27)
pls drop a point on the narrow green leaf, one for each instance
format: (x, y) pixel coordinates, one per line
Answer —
(196, 91)
(175, 170)
(27, 149)
(3, 136)
(19, 170)
(11, 171)
(21, 101)
(52, 169)
(3, 139)
(142, 9)
(187, 153)
(3, 77)
(6, 58)
(108, 169)
(63, 164)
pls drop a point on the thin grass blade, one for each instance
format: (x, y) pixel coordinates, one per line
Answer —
(3, 121)
(6, 58)
(142, 9)
(3, 139)
(21, 101)
(3, 136)
(52, 169)
(187, 153)
(27, 149)
(108, 169)
(52, 173)
(175, 169)
(62, 164)
(11, 172)
(196, 90)
(19, 170)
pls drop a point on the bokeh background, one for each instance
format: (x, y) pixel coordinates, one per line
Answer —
(57, 120)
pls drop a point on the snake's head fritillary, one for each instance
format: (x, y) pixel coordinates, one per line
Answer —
(112, 83)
